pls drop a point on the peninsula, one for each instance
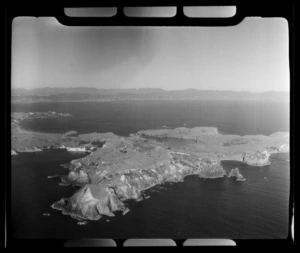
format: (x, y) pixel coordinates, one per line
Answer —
(117, 168)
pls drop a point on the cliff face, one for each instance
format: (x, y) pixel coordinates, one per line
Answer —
(83, 205)
(257, 159)
(280, 149)
(262, 158)
(78, 177)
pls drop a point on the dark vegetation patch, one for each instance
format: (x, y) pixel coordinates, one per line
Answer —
(235, 142)
(98, 144)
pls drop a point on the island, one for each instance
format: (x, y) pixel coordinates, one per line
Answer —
(117, 168)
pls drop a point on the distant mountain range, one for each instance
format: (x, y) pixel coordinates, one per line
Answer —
(49, 94)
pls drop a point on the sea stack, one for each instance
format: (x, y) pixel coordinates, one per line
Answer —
(236, 173)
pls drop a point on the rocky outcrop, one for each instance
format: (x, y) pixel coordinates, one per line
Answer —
(210, 169)
(78, 178)
(262, 158)
(256, 159)
(84, 205)
(284, 148)
(236, 173)
(33, 149)
(71, 134)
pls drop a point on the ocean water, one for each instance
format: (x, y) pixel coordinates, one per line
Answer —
(123, 118)
(195, 208)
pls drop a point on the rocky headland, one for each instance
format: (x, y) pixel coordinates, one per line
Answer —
(118, 169)
(17, 117)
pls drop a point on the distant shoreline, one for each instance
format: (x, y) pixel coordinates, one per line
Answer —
(81, 94)
(135, 100)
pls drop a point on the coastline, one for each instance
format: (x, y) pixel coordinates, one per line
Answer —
(124, 167)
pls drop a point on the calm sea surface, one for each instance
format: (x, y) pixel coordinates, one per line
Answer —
(219, 208)
(123, 118)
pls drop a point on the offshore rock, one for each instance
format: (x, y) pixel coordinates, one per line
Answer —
(125, 211)
(236, 173)
(82, 223)
(33, 149)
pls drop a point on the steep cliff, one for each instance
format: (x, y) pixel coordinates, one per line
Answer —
(256, 159)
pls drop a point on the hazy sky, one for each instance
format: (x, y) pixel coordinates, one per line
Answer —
(252, 56)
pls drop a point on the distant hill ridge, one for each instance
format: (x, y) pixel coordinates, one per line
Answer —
(83, 90)
(92, 93)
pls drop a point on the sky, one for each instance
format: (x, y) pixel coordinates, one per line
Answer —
(251, 56)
